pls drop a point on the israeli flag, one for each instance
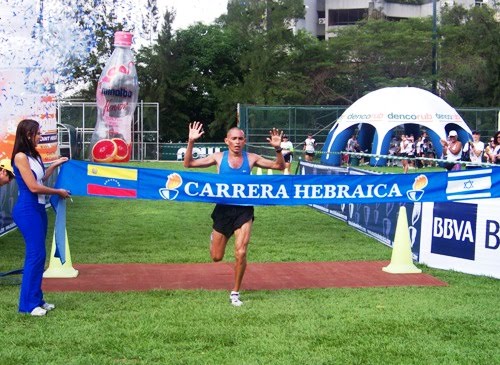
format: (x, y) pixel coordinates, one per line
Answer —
(473, 184)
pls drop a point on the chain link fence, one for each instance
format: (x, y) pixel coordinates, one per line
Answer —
(298, 121)
(78, 119)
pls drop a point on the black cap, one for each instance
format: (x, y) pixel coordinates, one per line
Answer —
(476, 132)
(285, 136)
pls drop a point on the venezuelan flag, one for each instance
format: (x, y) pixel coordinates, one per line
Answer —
(114, 178)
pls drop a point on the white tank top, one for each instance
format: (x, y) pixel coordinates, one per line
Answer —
(37, 168)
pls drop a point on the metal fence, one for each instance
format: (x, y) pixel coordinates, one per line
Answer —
(81, 117)
(298, 121)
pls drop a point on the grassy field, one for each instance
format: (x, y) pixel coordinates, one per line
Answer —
(456, 324)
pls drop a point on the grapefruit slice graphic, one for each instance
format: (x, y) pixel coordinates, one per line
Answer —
(104, 150)
(122, 149)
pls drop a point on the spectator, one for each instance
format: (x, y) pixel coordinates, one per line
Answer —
(475, 150)
(309, 147)
(488, 150)
(419, 152)
(393, 151)
(403, 145)
(287, 152)
(6, 172)
(352, 145)
(495, 154)
(452, 151)
(410, 152)
(430, 152)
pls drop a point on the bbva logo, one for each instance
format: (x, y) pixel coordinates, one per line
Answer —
(447, 228)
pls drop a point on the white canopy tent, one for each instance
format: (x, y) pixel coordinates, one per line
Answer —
(378, 113)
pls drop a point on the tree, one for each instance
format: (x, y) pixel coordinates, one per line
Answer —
(469, 73)
(376, 53)
(158, 70)
(266, 28)
(210, 58)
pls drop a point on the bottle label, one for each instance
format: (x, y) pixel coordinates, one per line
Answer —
(117, 92)
(116, 110)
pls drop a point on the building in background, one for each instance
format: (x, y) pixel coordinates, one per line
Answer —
(324, 16)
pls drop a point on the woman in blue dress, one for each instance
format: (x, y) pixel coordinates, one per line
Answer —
(30, 215)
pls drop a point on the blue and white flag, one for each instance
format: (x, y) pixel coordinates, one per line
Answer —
(470, 184)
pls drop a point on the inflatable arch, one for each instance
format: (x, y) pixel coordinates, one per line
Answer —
(378, 113)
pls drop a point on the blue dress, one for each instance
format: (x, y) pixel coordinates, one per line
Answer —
(31, 218)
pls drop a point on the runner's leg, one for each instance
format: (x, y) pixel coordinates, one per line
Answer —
(242, 238)
(218, 244)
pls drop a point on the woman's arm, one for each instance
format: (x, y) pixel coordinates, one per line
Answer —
(22, 163)
(50, 170)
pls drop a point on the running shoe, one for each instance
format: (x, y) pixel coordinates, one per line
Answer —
(234, 298)
(48, 306)
(38, 312)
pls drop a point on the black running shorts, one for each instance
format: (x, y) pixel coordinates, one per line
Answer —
(228, 218)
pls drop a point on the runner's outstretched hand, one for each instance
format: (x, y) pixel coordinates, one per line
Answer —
(275, 137)
(195, 131)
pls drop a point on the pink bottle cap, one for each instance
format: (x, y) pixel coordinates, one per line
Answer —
(123, 39)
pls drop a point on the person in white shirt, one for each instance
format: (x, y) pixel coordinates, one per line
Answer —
(352, 146)
(452, 151)
(475, 149)
(309, 147)
(403, 145)
(410, 152)
(287, 152)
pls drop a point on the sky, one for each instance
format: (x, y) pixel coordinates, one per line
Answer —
(189, 12)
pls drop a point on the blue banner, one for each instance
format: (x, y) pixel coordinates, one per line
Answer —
(112, 181)
(375, 220)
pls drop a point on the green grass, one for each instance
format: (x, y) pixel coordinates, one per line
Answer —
(457, 324)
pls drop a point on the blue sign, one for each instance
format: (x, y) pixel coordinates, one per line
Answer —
(454, 230)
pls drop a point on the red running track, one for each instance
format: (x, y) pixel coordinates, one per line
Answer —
(220, 276)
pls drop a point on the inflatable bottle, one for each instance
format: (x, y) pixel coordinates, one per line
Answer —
(116, 97)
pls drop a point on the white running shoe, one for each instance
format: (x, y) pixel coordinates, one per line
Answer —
(38, 312)
(48, 306)
(234, 298)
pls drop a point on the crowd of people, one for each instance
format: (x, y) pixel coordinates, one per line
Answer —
(417, 152)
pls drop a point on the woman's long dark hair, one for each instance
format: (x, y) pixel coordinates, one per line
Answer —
(495, 138)
(25, 135)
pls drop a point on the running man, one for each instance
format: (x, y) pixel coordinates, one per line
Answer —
(233, 219)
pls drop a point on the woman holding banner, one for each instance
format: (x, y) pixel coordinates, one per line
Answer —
(29, 213)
